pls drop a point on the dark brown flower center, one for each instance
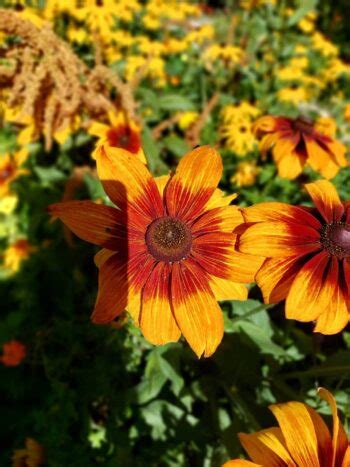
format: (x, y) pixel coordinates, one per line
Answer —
(335, 238)
(304, 125)
(6, 172)
(168, 239)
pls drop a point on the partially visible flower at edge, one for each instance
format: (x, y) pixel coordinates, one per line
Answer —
(308, 256)
(245, 174)
(301, 440)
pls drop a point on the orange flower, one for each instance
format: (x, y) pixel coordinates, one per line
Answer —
(13, 353)
(169, 251)
(31, 456)
(17, 252)
(120, 133)
(10, 169)
(308, 256)
(298, 142)
(302, 439)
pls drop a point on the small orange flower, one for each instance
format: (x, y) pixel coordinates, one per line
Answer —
(120, 133)
(17, 252)
(13, 353)
(308, 256)
(30, 456)
(10, 169)
(298, 142)
(168, 251)
(302, 439)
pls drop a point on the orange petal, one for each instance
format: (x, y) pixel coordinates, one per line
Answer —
(102, 256)
(197, 313)
(280, 212)
(340, 441)
(318, 157)
(285, 145)
(279, 239)
(303, 301)
(299, 432)
(346, 460)
(218, 200)
(127, 180)
(223, 219)
(112, 294)
(161, 183)
(276, 276)
(326, 199)
(94, 223)
(334, 316)
(224, 289)
(338, 150)
(290, 165)
(324, 440)
(240, 463)
(216, 254)
(267, 447)
(157, 322)
(194, 182)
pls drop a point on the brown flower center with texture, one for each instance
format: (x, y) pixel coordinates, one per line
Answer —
(335, 239)
(304, 125)
(124, 137)
(168, 239)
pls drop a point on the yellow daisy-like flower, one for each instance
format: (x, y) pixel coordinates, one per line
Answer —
(186, 119)
(119, 133)
(301, 440)
(245, 175)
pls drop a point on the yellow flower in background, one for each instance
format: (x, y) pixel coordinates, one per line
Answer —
(230, 55)
(250, 4)
(16, 253)
(186, 119)
(10, 169)
(119, 133)
(245, 175)
(155, 68)
(204, 33)
(8, 204)
(307, 24)
(301, 440)
(27, 132)
(323, 45)
(235, 128)
(32, 455)
(293, 95)
(347, 112)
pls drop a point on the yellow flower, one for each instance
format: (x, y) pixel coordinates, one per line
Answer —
(236, 127)
(155, 68)
(186, 119)
(324, 46)
(16, 253)
(8, 204)
(293, 95)
(246, 174)
(347, 112)
(230, 55)
(307, 24)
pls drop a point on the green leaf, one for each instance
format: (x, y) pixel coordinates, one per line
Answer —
(171, 102)
(304, 9)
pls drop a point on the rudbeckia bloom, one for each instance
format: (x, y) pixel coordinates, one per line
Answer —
(168, 251)
(119, 133)
(13, 353)
(302, 439)
(298, 142)
(308, 256)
